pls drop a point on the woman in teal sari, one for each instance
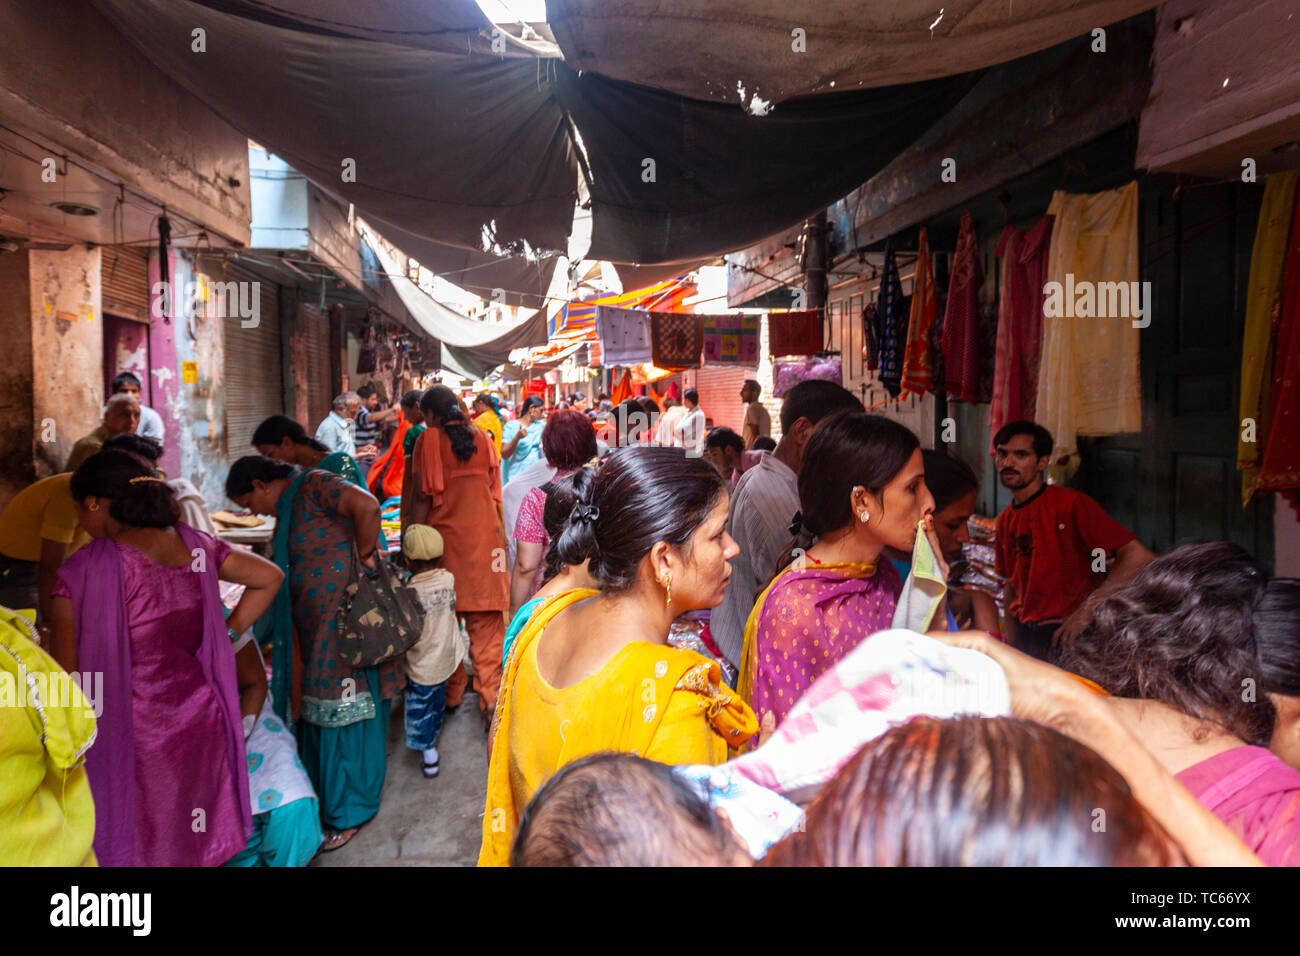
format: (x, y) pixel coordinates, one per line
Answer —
(320, 518)
(283, 439)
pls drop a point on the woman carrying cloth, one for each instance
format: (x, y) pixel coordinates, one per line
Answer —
(320, 518)
(140, 606)
(283, 439)
(861, 488)
(592, 670)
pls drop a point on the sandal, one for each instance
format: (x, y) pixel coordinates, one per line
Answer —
(430, 769)
(337, 839)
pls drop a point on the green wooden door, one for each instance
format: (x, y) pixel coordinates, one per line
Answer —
(1177, 481)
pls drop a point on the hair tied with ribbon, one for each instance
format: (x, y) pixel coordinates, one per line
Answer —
(587, 513)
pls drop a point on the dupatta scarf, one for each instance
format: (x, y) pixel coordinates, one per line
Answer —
(604, 723)
(94, 577)
(805, 621)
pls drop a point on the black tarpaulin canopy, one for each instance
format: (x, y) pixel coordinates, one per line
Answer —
(708, 49)
(466, 147)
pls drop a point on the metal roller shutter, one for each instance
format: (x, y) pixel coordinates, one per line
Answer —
(719, 390)
(124, 274)
(313, 326)
(253, 377)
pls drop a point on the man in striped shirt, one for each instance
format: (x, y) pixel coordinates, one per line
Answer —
(370, 419)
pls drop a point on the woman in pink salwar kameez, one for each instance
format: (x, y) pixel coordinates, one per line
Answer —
(1179, 648)
(139, 608)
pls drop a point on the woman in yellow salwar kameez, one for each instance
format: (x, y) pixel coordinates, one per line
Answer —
(592, 671)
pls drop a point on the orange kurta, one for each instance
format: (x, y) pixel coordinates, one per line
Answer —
(467, 513)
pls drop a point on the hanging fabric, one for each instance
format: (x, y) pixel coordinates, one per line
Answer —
(1267, 257)
(889, 314)
(1280, 463)
(961, 323)
(1088, 380)
(730, 339)
(624, 335)
(918, 368)
(794, 333)
(1020, 323)
(622, 391)
(676, 340)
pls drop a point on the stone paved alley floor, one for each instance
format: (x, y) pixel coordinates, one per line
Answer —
(426, 822)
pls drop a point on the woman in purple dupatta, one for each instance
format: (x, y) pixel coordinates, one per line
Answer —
(861, 488)
(140, 606)
(1196, 649)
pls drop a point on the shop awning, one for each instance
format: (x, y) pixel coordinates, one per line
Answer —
(475, 347)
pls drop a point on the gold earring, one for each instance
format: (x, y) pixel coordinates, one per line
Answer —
(668, 586)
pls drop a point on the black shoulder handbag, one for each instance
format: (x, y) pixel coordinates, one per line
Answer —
(379, 617)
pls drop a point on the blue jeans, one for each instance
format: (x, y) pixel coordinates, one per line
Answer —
(424, 709)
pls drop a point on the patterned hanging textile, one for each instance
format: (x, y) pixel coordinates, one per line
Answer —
(918, 368)
(889, 310)
(961, 322)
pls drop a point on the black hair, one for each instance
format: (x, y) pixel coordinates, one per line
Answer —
(441, 401)
(1182, 632)
(365, 391)
(764, 443)
(1277, 637)
(412, 398)
(948, 478)
(124, 378)
(618, 809)
(753, 383)
(1042, 438)
(150, 449)
(641, 495)
(277, 428)
(561, 495)
(975, 791)
(137, 495)
(692, 396)
(253, 468)
(846, 450)
(628, 416)
(724, 437)
(814, 400)
(489, 400)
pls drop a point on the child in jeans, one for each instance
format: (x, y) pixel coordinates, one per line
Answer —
(433, 658)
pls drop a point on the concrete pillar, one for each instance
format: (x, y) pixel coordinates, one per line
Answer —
(67, 344)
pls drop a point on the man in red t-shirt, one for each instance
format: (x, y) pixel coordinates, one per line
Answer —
(1052, 546)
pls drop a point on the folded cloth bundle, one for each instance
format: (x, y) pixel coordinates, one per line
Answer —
(886, 680)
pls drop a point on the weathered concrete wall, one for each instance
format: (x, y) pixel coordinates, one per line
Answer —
(68, 76)
(198, 407)
(16, 471)
(67, 330)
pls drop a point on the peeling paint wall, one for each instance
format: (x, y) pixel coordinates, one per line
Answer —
(16, 471)
(197, 407)
(67, 352)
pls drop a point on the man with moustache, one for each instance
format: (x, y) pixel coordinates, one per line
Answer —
(1052, 544)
